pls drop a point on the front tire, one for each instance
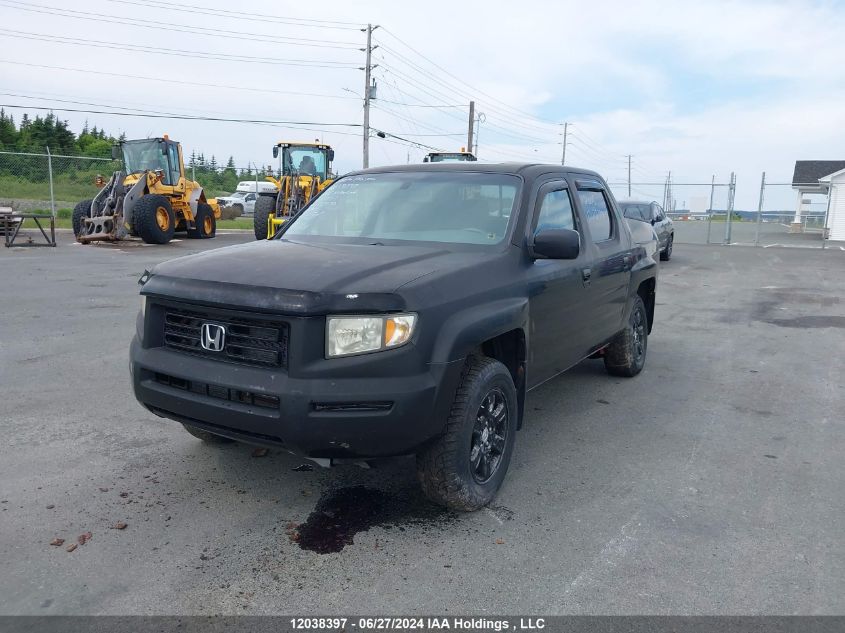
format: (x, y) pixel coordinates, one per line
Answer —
(205, 436)
(154, 219)
(666, 255)
(205, 225)
(80, 211)
(464, 468)
(265, 206)
(625, 356)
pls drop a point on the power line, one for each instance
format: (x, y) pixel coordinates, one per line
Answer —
(58, 39)
(453, 90)
(435, 93)
(233, 15)
(474, 90)
(175, 81)
(392, 112)
(182, 28)
(186, 117)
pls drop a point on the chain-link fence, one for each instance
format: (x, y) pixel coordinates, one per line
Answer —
(785, 214)
(46, 183)
(791, 215)
(50, 184)
(702, 211)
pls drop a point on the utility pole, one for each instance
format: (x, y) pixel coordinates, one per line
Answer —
(629, 175)
(368, 69)
(565, 133)
(471, 123)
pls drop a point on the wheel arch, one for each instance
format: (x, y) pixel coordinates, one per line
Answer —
(496, 330)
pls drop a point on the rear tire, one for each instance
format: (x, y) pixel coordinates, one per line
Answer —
(154, 219)
(205, 436)
(265, 206)
(205, 225)
(666, 255)
(80, 211)
(625, 356)
(464, 468)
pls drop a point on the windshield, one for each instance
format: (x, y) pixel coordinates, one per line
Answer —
(238, 194)
(463, 207)
(144, 155)
(306, 161)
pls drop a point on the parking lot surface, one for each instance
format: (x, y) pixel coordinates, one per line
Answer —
(711, 483)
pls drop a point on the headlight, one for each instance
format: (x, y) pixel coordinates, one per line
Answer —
(347, 335)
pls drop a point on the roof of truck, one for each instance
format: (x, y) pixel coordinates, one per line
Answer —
(527, 169)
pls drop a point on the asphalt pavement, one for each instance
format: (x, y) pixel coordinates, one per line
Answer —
(710, 484)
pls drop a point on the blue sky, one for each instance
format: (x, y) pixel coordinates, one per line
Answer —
(700, 89)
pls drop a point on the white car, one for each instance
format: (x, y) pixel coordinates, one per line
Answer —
(245, 196)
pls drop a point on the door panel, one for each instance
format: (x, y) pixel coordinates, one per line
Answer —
(612, 260)
(557, 293)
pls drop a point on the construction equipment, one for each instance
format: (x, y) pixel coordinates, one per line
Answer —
(150, 197)
(305, 172)
(449, 157)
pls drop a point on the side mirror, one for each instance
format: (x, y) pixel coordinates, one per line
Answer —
(275, 151)
(115, 152)
(556, 244)
(331, 155)
(164, 149)
(653, 221)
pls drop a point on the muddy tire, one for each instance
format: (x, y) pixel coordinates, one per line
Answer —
(666, 253)
(464, 468)
(625, 356)
(80, 211)
(154, 219)
(265, 206)
(205, 225)
(205, 436)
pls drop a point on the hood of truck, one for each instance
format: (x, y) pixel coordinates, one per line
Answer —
(305, 278)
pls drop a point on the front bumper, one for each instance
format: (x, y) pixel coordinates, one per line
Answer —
(349, 417)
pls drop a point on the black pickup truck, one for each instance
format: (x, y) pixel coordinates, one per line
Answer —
(406, 310)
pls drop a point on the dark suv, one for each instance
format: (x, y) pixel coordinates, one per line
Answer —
(654, 214)
(406, 310)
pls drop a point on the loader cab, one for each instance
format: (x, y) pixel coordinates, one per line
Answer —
(156, 155)
(449, 157)
(305, 159)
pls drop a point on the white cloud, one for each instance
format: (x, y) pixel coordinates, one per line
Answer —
(620, 71)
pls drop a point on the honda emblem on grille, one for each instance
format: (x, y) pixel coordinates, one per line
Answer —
(213, 337)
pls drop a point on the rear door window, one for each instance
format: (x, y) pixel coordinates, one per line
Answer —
(597, 213)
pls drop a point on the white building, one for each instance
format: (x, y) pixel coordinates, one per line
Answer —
(836, 206)
(819, 177)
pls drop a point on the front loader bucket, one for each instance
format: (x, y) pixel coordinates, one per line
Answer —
(107, 218)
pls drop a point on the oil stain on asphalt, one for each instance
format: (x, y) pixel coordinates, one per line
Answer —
(342, 513)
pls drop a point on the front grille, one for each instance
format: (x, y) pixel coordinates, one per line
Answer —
(255, 342)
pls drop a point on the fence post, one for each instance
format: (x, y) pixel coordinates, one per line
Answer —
(729, 211)
(50, 177)
(760, 209)
(710, 210)
(827, 212)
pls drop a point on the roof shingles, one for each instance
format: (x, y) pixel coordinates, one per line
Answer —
(808, 172)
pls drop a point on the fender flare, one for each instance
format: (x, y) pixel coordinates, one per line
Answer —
(464, 331)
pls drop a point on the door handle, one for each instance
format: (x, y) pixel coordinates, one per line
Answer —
(586, 274)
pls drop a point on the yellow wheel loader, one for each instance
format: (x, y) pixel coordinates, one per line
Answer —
(150, 197)
(305, 172)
